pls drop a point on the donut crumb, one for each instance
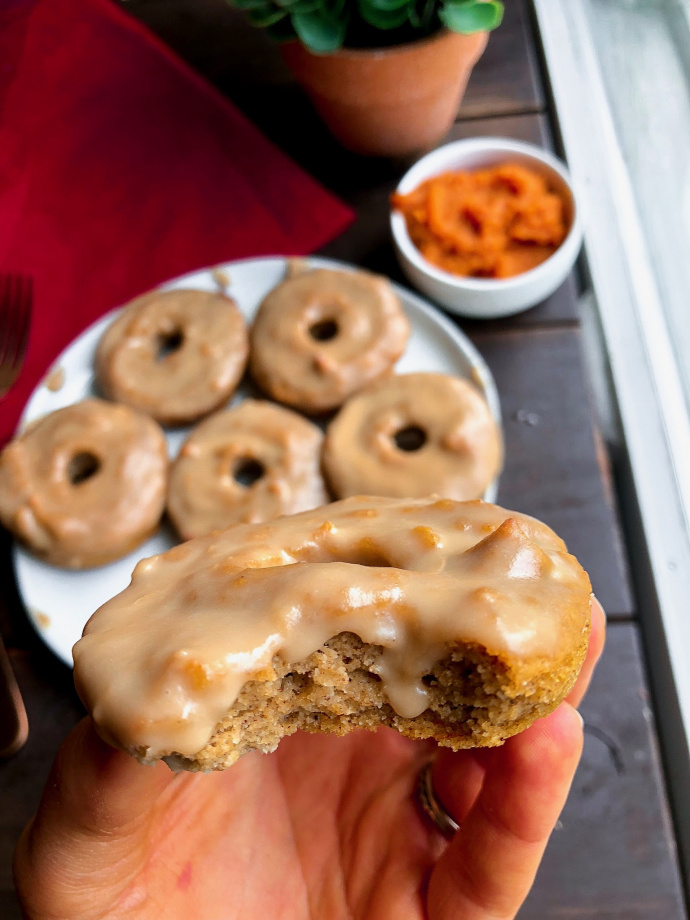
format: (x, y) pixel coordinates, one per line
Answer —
(221, 278)
(55, 380)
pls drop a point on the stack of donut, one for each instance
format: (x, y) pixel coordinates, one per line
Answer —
(90, 482)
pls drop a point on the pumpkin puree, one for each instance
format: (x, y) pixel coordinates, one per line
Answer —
(493, 223)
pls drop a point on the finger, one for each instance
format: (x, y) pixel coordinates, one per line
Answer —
(457, 780)
(490, 864)
(96, 790)
(96, 802)
(597, 638)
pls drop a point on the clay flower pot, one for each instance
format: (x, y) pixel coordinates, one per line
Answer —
(389, 101)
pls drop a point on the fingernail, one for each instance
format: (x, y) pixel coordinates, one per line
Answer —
(596, 601)
(582, 721)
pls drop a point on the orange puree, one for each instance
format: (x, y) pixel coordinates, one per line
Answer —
(492, 223)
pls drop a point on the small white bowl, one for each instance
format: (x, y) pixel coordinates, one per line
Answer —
(488, 298)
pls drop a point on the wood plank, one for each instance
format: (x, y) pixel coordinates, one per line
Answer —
(532, 128)
(552, 466)
(560, 308)
(506, 78)
(613, 855)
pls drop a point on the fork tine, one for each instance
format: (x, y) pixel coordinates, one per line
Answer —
(16, 299)
(23, 316)
(5, 315)
(12, 310)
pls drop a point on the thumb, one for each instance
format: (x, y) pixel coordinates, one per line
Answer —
(90, 827)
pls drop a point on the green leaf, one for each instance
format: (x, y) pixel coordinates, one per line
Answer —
(428, 14)
(384, 19)
(468, 16)
(385, 5)
(318, 31)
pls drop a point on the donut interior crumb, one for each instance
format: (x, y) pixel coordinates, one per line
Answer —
(476, 701)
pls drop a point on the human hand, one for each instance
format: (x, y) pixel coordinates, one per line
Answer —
(324, 827)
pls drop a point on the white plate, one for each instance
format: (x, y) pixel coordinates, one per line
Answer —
(58, 601)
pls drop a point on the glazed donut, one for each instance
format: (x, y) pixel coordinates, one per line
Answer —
(461, 622)
(85, 484)
(176, 355)
(321, 335)
(414, 435)
(250, 464)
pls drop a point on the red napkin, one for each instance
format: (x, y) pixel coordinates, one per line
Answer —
(120, 167)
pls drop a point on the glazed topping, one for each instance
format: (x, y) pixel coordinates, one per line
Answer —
(322, 335)
(489, 223)
(250, 464)
(174, 354)
(414, 435)
(160, 664)
(85, 484)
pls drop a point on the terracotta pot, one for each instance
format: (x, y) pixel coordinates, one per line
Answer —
(389, 101)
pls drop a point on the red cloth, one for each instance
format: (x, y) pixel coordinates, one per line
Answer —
(120, 167)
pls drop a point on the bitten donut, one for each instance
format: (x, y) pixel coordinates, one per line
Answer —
(176, 355)
(414, 435)
(461, 622)
(249, 464)
(322, 335)
(85, 484)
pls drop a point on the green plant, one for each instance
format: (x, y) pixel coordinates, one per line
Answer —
(325, 25)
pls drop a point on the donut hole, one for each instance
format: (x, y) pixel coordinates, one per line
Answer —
(324, 330)
(247, 471)
(367, 552)
(167, 343)
(82, 466)
(410, 438)
(375, 559)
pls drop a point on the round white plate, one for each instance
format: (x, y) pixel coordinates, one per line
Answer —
(59, 601)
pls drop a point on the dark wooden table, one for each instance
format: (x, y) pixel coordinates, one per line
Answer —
(613, 854)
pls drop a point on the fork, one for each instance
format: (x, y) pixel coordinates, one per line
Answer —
(14, 725)
(16, 301)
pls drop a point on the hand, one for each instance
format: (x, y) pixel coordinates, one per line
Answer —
(325, 827)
